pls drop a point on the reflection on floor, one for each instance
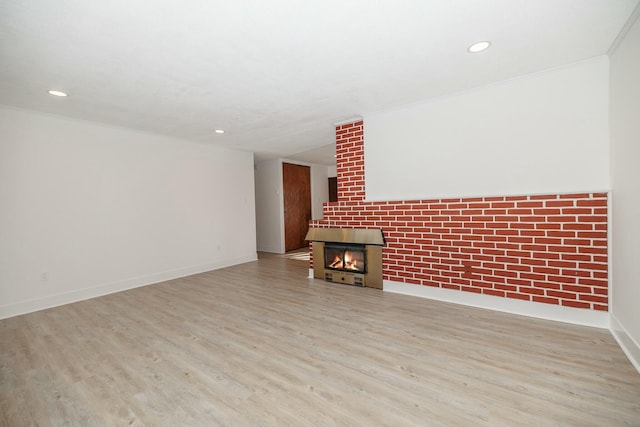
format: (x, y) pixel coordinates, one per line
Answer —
(298, 254)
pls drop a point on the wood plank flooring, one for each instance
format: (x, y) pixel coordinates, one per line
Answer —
(260, 344)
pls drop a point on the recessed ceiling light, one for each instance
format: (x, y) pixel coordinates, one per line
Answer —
(479, 47)
(57, 93)
(219, 131)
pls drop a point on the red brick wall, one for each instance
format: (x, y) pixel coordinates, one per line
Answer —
(544, 248)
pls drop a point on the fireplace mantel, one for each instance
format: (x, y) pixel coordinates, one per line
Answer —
(363, 236)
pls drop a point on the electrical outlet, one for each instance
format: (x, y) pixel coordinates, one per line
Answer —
(467, 267)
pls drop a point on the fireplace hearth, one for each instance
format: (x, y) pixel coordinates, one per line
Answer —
(348, 256)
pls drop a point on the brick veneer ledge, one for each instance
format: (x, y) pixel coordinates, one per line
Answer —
(543, 248)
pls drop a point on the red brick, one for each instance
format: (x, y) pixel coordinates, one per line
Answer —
(546, 270)
(518, 296)
(554, 233)
(505, 287)
(577, 242)
(531, 290)
(576, 211)
(533, 233)
(576, 304)
(533, 218)
(592, 218)
(593, 266)
(532, 276)
(529, 204)
(603, 283)
(546, 300)
(595, 202)
(558, 203)
(548, 241)
(502, 205)
(523, 225)
(576, 273)
(546, 211)
(545, 255)
(519, 211)
(493, 292)
(593, 298)
(562, 279)
(525, 266)
(505, 273)
(576, 288)
(562, 249)
(574, 257)
(546, 285)
(575, 196)
(560, 294)
(549, 226)
(518, 282)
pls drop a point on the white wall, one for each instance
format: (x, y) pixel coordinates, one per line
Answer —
(319, 189)
(625, 184)
(269, 206)
(542, 133)
(89, 209)
(270, 200)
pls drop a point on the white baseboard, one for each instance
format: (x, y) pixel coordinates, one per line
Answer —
(630, 347)
(579, 316)
(271, 250)
(37, 304)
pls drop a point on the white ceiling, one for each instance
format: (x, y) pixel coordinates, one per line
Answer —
(276, 74)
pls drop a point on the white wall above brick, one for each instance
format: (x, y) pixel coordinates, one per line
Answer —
(538, 134)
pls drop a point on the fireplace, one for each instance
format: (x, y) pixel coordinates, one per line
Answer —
(348, 256)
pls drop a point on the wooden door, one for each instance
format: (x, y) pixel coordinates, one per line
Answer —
(296, 183)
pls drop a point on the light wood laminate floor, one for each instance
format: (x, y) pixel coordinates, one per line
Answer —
(260, 344)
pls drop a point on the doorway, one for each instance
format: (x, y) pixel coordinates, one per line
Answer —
(333, 189)
(296, 189)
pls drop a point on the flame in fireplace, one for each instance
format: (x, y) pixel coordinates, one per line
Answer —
(336, 263)
(350, 262)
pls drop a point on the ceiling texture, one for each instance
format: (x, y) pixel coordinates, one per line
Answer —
(277, 74)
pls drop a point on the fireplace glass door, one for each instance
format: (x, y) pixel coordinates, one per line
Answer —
(345, 257)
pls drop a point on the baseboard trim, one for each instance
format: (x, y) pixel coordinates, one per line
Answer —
(271, 250)
(578, 316)
(630, 347)
(56, 300)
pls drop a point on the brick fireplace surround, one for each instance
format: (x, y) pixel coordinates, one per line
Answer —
(549, 249)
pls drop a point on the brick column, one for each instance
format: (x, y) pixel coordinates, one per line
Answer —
(350, 161)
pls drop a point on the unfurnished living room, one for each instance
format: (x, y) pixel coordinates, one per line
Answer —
(319, 213)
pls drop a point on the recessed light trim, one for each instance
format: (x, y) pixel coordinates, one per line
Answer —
(219, 131)
(57, 93)
(479, 47)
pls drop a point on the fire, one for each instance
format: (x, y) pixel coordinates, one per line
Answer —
(347, 261)
(337, 262)
(350, 262)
